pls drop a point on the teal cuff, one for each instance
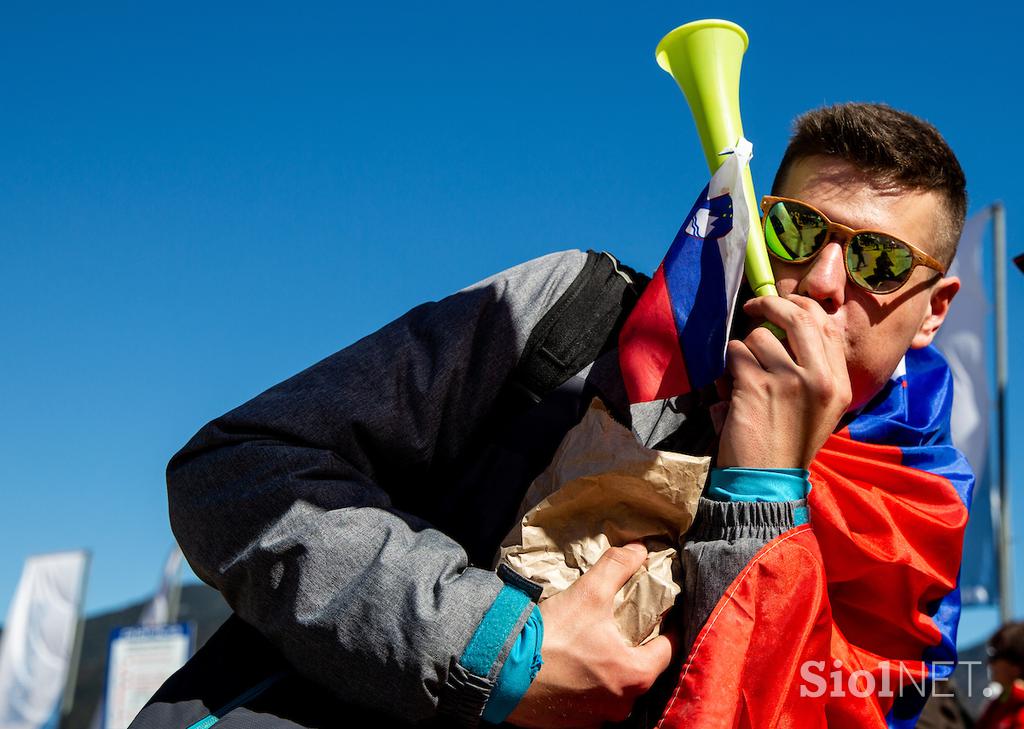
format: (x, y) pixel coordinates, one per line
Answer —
(761, 484)
(519, 670)
(495, 630)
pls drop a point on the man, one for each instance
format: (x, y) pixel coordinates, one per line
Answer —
(1006, 664)
(351, 513)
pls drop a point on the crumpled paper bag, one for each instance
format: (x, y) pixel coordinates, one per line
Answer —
(604, 489)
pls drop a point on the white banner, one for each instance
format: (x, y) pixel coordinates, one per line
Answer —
(962, 339)
(39, 639)
(965, 341)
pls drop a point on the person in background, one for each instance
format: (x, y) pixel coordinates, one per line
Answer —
(1006, 664)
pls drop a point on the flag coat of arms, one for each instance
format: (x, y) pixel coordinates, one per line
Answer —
(674, 339)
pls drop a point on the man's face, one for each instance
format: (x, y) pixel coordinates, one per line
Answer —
(878, 328)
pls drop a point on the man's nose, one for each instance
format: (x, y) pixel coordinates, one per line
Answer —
(825, 278)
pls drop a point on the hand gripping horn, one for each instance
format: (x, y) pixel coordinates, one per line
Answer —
(704, 58)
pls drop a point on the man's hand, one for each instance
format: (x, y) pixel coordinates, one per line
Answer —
(786, 398)
(591, 674)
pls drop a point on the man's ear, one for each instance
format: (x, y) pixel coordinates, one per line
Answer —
(942, 296)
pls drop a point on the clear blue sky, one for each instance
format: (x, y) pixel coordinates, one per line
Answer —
(199, 200)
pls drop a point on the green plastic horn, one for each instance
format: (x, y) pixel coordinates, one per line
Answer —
(704, 58)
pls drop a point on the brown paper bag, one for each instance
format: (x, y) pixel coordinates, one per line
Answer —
(603, 489)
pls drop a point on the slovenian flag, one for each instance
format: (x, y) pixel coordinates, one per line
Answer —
(674, 339)
(846, 622)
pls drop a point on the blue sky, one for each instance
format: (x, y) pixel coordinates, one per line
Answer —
(199, 200)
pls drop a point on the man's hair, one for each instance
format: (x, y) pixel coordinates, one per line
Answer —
(1008, 644)
(892, 148)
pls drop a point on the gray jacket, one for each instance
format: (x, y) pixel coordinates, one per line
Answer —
(345, 513)
(352, 513)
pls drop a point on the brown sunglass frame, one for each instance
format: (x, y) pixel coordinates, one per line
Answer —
(844, 234)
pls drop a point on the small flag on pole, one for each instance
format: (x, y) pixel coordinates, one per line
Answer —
(161, 608)
(674, 339)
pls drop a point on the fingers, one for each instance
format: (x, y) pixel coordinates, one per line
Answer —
(837, 387)
(815, 339)
(614, 569)
(656, 655)
(740, 361)
(801, 324)
(832, 340)
(769, 351)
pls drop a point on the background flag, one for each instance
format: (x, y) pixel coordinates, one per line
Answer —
(39, 639)
(965, 341)
(162, 607)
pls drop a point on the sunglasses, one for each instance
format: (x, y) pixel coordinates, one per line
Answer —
(796, 232)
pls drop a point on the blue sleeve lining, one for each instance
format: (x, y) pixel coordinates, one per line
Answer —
(761, 484)
(491, 635)
(517, 674)
(513, 609)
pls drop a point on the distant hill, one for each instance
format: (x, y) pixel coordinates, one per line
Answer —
(200, 604)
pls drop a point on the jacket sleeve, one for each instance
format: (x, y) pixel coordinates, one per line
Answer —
(285, 504)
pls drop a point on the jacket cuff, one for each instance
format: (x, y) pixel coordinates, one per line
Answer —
(778, 485)
(517, 674)
(472, 678)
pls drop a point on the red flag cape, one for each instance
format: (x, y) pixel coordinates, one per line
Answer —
(844, 621)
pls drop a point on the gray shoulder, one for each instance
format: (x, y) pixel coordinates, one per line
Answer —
(526, 292)
(553, 271)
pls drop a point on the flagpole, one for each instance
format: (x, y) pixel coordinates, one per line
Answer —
(1005, 539)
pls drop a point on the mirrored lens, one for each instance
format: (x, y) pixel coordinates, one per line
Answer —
(878, 263)
(794, 232)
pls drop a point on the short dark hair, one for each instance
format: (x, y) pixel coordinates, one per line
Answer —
(890, 146)
(1008, 644)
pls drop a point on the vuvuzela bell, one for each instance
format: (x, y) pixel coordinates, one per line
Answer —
(704, 57)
